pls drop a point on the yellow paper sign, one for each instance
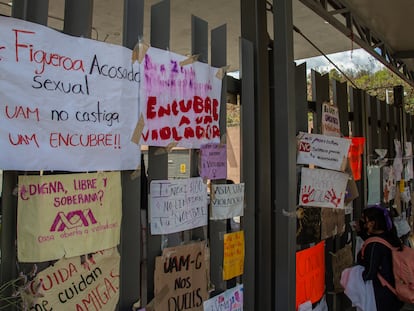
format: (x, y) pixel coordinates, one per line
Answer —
(67, 215)
(233, 262)
(70, 285)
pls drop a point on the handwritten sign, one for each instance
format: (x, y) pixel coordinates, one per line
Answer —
(332, 222)
(66, 103)
(389, 185)
(322, 188)
(233, 261)
(323, 151)
(408, 169)
(178, 205)
(330, 120)
(67, 215)
(230, 300)
(213, 162)
(179, 103)
(374, 185)
(310, 274)
(70, 285)
(181, 278)
(341, 260)
(227, 201)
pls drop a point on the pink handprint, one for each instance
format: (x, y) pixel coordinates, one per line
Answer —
(307, 192)
(332, 198)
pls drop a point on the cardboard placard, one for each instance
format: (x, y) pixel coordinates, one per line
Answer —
(67, 215)
(69, 285)
(181, 277)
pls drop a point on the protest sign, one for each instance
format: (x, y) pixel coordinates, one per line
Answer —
(233, 261)
(177, 205)
(66, 103)
(389, 186)
(230, 300)
(341, 260)
(180, 103)
(332, 222)
(322, 188)
(308, 225)
(227, 200)
(310, 274)
(181, 277)
(374, 184)
(69, 285)
(213, 164)
(408, 170)
(330, 120)
(67, 215)
(323, 151)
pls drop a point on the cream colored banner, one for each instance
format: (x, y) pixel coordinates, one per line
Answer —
(67, 215)
(69, 285)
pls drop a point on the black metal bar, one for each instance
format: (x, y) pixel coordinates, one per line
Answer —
(78, 18)
(284, 159)
(340, 99)
(157, 157)
(320, 94)
(218, 227)
(254, 29)
(301, 98)
(247, 151)
(133, 22)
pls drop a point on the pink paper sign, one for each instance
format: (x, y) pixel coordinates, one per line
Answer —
(213, 161)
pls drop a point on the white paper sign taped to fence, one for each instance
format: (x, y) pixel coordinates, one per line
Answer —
(180, 103)
(322, 188)
(227, 200)
(177, 205)
(323, 151)
(66, 103)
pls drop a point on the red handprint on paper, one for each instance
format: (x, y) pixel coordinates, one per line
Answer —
(332, 198)
(307, 192)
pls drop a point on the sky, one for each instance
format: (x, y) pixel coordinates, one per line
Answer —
(348, 60)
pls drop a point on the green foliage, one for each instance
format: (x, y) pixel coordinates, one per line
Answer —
(379, 84)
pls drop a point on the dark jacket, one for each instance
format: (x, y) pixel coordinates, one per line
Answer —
(378, 259)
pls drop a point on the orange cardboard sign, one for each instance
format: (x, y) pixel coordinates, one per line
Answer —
(310, 274)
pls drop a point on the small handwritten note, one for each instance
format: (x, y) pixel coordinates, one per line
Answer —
(213, 161)
(177, 205)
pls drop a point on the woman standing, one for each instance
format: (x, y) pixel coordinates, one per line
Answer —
(377, 257)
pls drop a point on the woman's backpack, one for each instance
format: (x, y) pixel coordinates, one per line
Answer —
(403, 268)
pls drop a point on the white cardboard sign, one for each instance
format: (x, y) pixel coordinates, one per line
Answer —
(322, 188)
(177, 205)
(323, 151)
